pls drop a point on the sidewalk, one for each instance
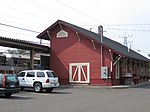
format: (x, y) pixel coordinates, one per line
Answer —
(103, 87)
(130, 86)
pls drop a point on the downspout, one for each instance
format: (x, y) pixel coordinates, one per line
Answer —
(111, 67)
(101, 56)
(100, 32)
(111, 60)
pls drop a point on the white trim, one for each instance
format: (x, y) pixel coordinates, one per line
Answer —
(83, 73)
(48, 33)
(93, 44)
(78, 36)
(117, 60)
(78, 70)
(75, 73)
(62, 33)
(60, 26)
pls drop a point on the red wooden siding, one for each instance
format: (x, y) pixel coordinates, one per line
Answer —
(70, 50)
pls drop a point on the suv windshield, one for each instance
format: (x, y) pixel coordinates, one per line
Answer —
(51, 74)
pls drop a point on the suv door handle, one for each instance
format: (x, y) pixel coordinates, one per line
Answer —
(33, 79)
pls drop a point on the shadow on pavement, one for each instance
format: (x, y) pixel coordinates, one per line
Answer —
(16, 97)
(60, 92)
(55, 91)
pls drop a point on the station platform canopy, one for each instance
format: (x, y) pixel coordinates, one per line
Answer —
(23, 44)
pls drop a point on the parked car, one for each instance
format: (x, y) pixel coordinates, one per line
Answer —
(38, 80)
(9, 84)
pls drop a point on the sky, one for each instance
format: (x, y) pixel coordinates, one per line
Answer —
(119, 18)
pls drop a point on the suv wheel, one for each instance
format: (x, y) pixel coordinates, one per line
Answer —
(21, 88)
(48, 90)
(37, 87)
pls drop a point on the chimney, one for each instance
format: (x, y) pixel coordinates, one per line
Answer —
(100, 33)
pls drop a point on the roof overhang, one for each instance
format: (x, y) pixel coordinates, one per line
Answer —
(21, 44)
(126, 53)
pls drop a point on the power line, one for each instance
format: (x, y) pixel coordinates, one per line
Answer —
(124, 29)
(8, 21)
(126, 42)
(79, 12)
(8, 16)
(55, 11)
(39, 32)
(128, 29)
(49, 9)
(127, 25)
(62, 12)
(17, 33)
(142, 51)
(107, 25)
(18, 28)
(28, 13)
(43, 5)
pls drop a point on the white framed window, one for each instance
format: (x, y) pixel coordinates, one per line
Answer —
(62, 33)
(117, 70)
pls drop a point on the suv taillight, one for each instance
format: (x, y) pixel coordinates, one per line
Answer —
(47, 81)
(4, 81)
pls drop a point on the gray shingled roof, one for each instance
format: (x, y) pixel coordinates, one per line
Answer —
(22, 44)
(119, 48)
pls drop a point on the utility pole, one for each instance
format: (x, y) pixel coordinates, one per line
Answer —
(126, 42)
(91, 29)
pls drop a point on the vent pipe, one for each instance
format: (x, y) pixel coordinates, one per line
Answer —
(100, 33)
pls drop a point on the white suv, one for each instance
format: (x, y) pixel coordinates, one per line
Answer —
(38, 80)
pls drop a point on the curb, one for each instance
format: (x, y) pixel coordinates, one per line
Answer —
(103, 87)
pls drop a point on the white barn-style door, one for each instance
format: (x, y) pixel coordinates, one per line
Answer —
(79, 73)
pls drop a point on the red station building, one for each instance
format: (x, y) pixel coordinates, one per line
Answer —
(80, 56)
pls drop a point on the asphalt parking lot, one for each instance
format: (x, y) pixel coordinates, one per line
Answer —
(79, 100)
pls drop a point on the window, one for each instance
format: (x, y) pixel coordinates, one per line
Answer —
(117, 70)
(22, 74)
(30, 74)
(11, 78)
(51, 74)
(62, 33)
(40, 74)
